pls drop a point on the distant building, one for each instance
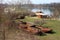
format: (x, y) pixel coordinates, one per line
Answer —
(40, 14)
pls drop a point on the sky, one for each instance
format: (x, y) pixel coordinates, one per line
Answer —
(45, 1)
(39, 1)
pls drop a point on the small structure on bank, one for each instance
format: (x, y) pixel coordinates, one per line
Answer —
(40, 14)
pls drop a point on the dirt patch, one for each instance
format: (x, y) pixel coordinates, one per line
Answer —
(15, 34)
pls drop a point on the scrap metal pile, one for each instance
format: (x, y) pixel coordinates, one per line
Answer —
(33, 29)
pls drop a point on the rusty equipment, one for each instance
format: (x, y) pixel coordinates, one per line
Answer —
(33, 29)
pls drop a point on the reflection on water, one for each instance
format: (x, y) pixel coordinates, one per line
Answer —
(45, 11)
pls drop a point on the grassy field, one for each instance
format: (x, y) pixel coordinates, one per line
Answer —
(13, 33)
(54, 24)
